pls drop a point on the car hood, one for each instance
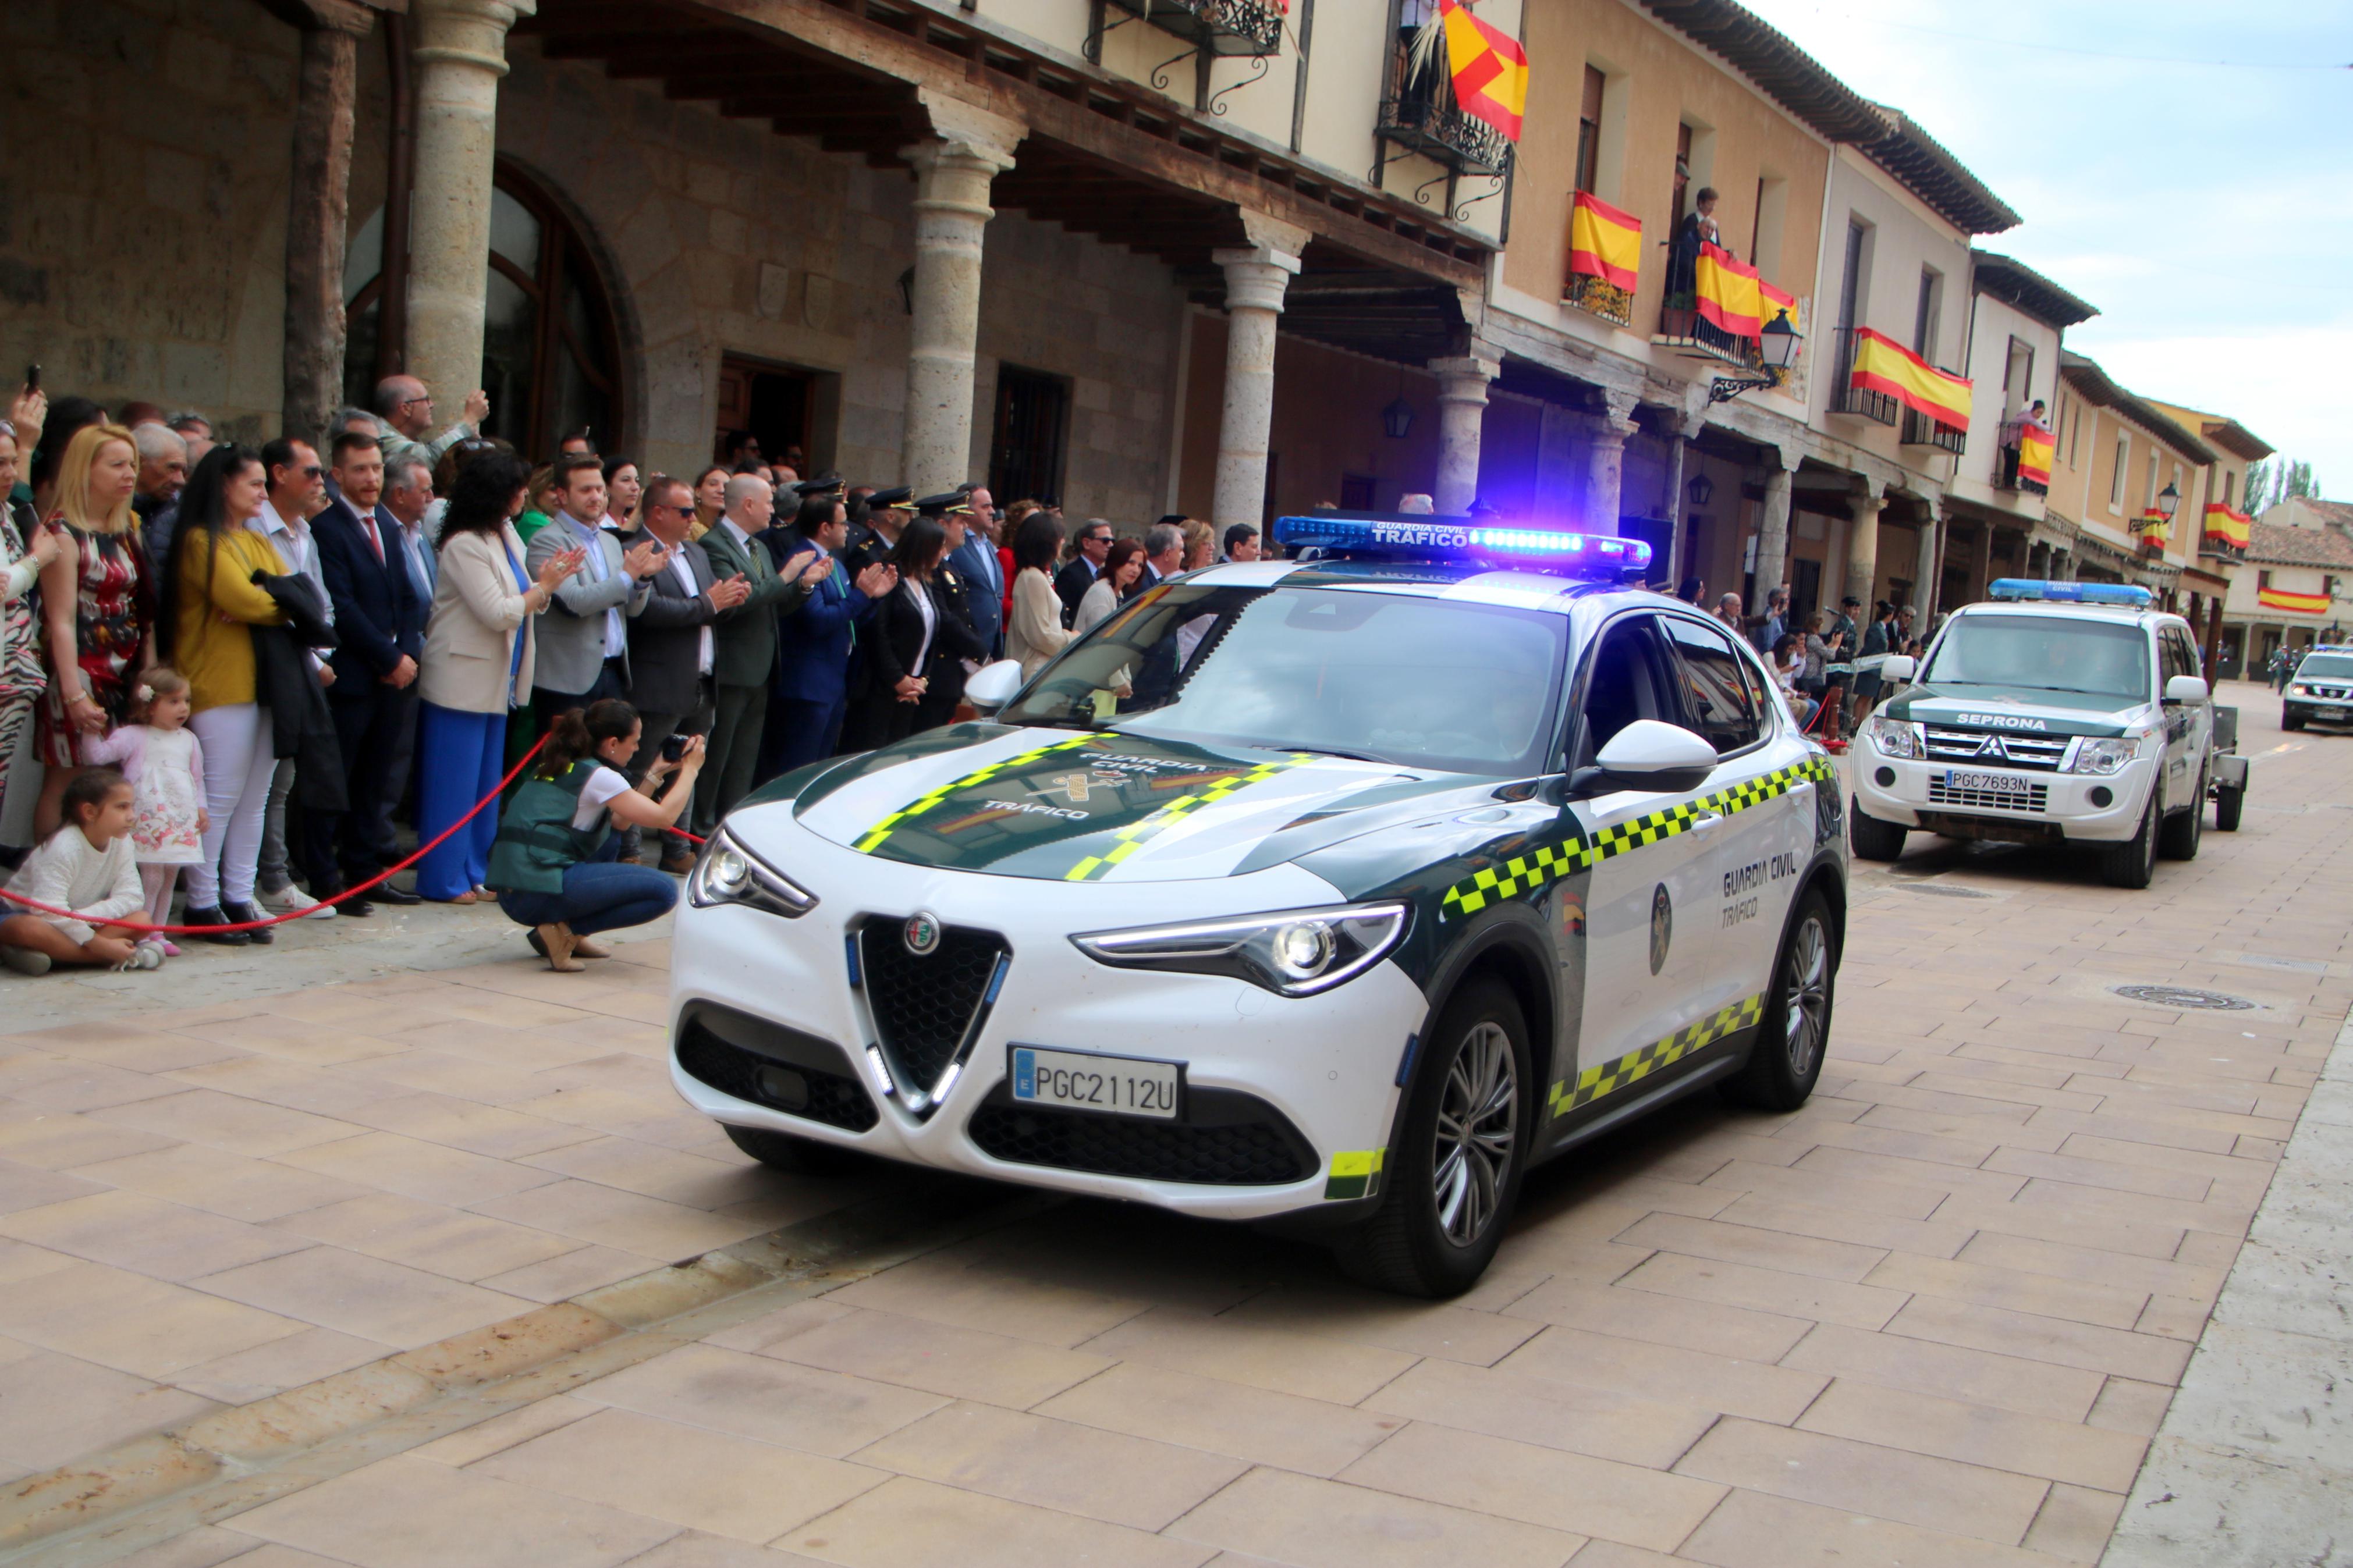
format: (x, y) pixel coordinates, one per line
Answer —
(1087, 806)
(2026, 711)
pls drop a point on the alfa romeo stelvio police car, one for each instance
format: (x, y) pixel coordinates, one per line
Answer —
(2057, 713)
(1335, 891)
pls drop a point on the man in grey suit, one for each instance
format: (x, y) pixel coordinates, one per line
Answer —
(744, 656)
(976, 561)
(673, 650)
(583, 641)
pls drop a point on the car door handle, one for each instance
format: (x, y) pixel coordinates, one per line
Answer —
(1704, 821)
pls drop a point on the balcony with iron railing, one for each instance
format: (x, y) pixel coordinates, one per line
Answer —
(2212, 548)
(1599, 297)
(1420, 114)
(1848, 398)
(1215, 26)
(2008, 477)
(1919, 430)
(1692, 335)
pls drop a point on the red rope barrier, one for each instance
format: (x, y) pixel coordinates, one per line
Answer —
(378, 880)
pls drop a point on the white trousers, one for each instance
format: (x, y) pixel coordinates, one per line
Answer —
(237, 741)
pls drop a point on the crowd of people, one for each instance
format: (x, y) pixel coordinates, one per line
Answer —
(1827, 665)
(244, 667)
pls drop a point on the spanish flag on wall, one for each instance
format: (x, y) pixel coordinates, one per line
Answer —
(1886, 366)
(1489, 67)
(2226, 526)
(1728, 296)
(2293, 604)
(1604, 243)
(2154, 528)
(2034, 451)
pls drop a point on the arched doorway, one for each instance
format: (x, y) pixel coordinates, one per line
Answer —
(550, 348)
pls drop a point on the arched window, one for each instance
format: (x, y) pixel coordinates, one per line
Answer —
(551, 355)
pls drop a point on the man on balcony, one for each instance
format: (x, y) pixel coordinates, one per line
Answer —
(2013, 436)
(1697, 228)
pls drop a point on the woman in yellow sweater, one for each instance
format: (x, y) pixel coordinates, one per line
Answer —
(212, 604)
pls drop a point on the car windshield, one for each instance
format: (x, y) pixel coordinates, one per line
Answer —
(1392, 677)
(2042, 653)
(2325, 666)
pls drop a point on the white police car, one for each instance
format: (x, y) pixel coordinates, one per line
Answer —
(2057, 713)
(1337, 893)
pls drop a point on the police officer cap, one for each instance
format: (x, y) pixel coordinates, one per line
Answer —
(944, 504)
(881, 499)
(824, 484)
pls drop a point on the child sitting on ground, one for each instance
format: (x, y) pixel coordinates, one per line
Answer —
(85, 865)
(159, 754)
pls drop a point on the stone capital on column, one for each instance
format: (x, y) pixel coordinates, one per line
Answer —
(467, 32)
(964, 129)
(1257, 277)
(1463, 378)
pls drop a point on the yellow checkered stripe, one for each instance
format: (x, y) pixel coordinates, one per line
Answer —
(1356, 1174)
(1611, 1076)
(874, 837)
(1127, 840)
(1548, 863)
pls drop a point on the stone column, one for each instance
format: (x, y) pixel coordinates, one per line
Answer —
(1671, 497)
(1257, 274)
(1605, 471)
(460, 55)
(318, 213)
(1928, 565)
(954, 167)
(1866, 499)
(1462, 410)
(1773, 527)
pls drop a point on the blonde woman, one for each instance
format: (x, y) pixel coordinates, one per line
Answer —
(97, 603)
(1200, 544)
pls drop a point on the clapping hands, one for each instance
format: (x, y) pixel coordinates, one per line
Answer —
(647, 558)
(878, 579)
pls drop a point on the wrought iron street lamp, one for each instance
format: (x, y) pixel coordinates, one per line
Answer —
(1777, 347)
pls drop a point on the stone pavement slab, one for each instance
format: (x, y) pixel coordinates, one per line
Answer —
(1936, 1317)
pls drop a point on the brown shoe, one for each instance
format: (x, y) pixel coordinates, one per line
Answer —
(555, 940)
(679, 864)
(583, 947)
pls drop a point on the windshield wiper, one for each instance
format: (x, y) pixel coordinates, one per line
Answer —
(1328, 751)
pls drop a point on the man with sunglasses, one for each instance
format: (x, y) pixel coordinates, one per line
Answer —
(1087, 552)
(297, 493)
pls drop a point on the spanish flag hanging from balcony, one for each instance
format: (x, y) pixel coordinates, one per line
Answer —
(2156, 529)
(1886, 366)
(1773, 302)
(1604, 243)
(1489, 67)
(2227, 527)
(2293, 604)
(1728, 296)
(2034, 451)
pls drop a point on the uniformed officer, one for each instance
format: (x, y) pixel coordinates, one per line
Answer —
(952, 593)
(872, 542)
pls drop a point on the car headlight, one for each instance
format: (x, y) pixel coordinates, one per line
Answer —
(1295, 953)
(2300, 690)
(2104, 755)
(1897, 737)
(727, 873)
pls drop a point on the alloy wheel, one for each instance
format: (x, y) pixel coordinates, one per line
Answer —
(1477, 1132)
(1806, 984)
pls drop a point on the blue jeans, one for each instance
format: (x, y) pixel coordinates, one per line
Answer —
(599, 895)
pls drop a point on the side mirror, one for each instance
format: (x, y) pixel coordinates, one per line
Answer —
(1656, 758)
(1898, 668)
(992, 686)
(2186, 689)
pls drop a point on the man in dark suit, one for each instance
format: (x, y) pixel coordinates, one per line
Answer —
(976, 562)
(379, 638)
(1163, 557)
(1089, 548)
(745, 651)
(673, 650)
(812, 693)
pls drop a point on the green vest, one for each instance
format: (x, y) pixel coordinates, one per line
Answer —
(536, 842)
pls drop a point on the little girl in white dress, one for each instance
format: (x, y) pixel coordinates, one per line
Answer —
(160, 755)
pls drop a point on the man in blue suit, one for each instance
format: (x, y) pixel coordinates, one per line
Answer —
(380, 638)
(976, 561)
(814, 646)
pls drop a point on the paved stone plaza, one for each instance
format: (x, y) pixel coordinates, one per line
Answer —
(1935, 1318)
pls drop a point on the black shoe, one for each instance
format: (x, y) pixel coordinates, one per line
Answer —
(211, 915)
(355, 908)
(241, 913)
(385, 893)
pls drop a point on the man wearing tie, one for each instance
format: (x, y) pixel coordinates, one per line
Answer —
(743, 659)
(380, 637)
(976, 561)
(812, 681)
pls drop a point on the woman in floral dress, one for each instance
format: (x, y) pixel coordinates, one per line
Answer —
(97, 602)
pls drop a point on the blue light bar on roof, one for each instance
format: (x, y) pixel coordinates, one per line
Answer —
(2071, 593)
(1445, 539)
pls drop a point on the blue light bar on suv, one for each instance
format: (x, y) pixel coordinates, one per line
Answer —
(2071, 593)
(1417, 537)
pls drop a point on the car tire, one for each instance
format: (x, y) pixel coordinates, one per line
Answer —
(799, 1156)
(1446, 1198)
(1793, 1035)
(2133, 863)
(1874, 839)
(2227, 804)
(2291, 721)
(2178, 838)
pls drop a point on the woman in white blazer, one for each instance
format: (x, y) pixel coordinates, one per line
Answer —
(478, 663)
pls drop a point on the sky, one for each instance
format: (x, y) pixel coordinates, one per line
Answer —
(2188, 168)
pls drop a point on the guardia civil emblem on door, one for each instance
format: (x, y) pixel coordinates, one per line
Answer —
(1662, 927)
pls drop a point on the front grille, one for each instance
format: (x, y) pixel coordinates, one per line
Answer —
(2040, 753)
(1227, 1139)
(2036, 799)
(2332, 693)
(925, 1006)
(789, 1083)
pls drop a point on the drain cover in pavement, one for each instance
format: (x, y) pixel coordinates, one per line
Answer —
(2182, 996)
(1947, 892)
